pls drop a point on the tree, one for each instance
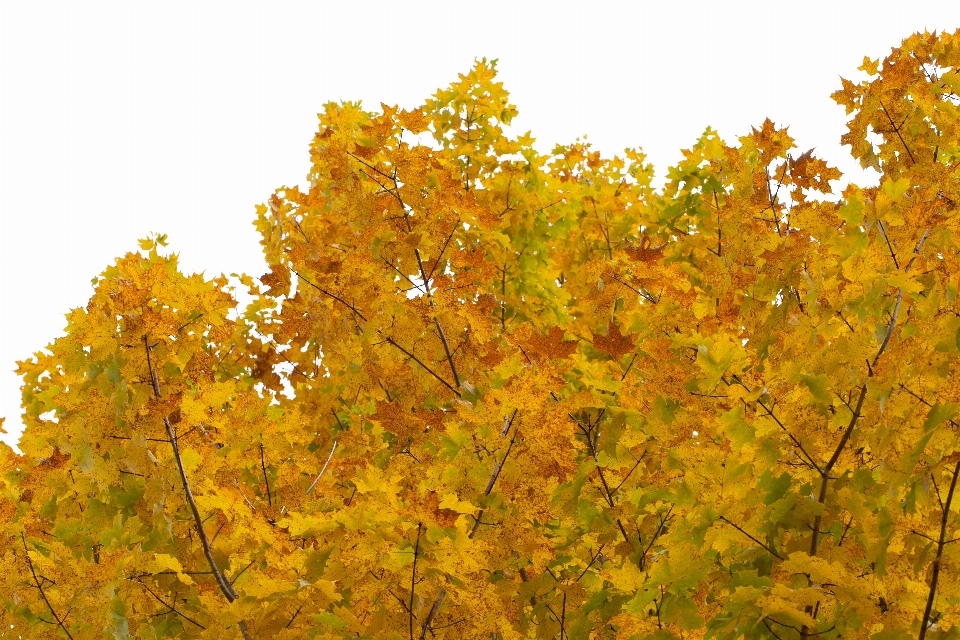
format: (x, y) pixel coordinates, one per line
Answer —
(489, 392)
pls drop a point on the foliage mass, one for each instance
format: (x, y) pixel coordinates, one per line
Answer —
(485, 391)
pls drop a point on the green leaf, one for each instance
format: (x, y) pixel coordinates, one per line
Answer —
(774, 487)
(329, 619)
(817, 384)
(894, 189)
(681, 611)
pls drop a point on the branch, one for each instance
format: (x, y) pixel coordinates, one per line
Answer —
(624, 532)
(391, 341)
(493, 479)
(265, 479)
(170, 608)
(563, 618)
(825, 473)
(296, 369)
(889, 246)
(770, 413)
(444, 248)
(751, 537)
(608, 496)
(317, 479)
(845, 322)
(770, 196)
(660, 530)
(331, 295)
(402, 274)
(592, 560)
(764, 621)
(40, 587)
(643, 293)
(446, 349)
(295, 614)
(629, 366)
(896, 130)
(936, 561)
(497, 468)
(433, 612)
(629, 473)
(413, 578)
(225, 586)
(237, 577)
(796, 442)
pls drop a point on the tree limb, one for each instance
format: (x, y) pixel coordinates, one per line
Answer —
(225, 587)
(924, 624)
(43, 595)
(391, 341)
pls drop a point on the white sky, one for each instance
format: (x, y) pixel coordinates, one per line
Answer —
(121, 118)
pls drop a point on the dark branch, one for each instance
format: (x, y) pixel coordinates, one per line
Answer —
(751, 537)
(43, 595)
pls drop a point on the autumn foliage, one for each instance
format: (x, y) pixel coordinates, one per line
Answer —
(485, 392)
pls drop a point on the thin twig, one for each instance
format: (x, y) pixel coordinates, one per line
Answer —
(413, 577)
(391, 341)
(751, 537)
(896, 130)
(317, 479)
(592, 560)
(331, 295)
(43, 595)
(265, 478)
(497, 468)
(170, 608)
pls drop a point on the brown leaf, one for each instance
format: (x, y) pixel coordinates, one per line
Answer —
(551, 345)
(644, 253)
(614, 343)
(277, 281)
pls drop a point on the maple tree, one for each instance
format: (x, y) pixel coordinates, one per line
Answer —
(494, 392)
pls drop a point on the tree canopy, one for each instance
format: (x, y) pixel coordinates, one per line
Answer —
(489, 392)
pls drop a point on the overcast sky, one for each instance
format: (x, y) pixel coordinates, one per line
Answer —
(122, 118)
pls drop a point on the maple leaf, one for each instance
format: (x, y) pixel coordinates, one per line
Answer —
(413, 120)
(277, 281)
(550, 345)
(614, 343)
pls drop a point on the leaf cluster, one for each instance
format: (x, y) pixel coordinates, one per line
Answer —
(485, 391)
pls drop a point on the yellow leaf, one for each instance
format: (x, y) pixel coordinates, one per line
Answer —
(452, 502)
(166, 562)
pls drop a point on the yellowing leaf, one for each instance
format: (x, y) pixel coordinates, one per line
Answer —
(452, 502)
